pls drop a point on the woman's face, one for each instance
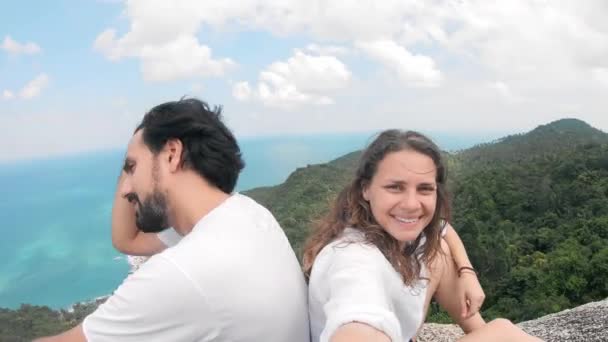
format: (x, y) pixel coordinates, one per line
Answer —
(403, 194)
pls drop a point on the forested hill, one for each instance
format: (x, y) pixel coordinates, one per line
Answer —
(547, 139)
(535, 219)
(531, 208)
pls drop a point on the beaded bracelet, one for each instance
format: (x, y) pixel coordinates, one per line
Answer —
(471, 269)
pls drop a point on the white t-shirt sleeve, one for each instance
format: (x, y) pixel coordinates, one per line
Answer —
(357, 292)
(444, 227)
(169, 237)
(156, 303)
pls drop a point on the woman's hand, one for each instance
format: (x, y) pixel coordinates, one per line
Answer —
(470, 293)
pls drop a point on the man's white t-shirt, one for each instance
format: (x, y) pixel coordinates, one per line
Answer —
(169, 237)
(234, 277)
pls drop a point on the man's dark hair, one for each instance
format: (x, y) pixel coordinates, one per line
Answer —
(209, 148)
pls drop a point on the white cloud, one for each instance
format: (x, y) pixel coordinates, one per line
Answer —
(181, 58)
(505, 91)
(31, 89)
(502, 88)
(332, 50)
(34, 87)
(14, 47)
(163, 37)
(241, 91)
(302, 79)
(549, 43)
(501, 66)
(414, 70)
(8, 95)
(340, 21)
(601, 75)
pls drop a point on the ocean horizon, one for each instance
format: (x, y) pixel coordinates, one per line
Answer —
(55, 213)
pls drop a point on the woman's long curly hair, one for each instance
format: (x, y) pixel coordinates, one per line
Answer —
(350, 209)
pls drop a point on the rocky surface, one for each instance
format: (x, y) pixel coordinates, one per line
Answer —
(439, 333)
(588, 323)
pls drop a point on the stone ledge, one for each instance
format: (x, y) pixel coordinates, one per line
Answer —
(587, 323)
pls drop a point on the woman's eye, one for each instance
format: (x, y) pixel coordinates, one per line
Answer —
(394, 187)
(427, 190)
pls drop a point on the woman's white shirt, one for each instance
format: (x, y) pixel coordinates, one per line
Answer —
(352, 281)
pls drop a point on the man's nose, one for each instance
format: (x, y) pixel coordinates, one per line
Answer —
(125, 186)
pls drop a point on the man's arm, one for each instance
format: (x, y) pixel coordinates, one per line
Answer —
(73, 335)
(470, 292)
(126, 238)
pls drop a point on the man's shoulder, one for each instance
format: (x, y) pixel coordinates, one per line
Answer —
(249, 206)
(242, 233)
(238, 208)
(231, 231)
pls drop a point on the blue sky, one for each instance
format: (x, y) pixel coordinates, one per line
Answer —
(78, 75)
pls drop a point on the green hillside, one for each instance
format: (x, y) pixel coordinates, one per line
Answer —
(535, 220)
(557, 136)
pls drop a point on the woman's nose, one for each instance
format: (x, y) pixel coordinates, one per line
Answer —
(410, 201)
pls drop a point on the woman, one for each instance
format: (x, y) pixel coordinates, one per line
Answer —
(376, 260)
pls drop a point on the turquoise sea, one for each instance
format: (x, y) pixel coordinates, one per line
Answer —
(55, 246)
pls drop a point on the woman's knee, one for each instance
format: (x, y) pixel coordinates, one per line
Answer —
(502, 324)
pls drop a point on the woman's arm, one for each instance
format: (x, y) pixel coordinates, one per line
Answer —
(357, 301)
(469, 290)
(126, 238)
(459, 253)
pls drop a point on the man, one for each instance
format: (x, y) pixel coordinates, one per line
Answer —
(232, 277)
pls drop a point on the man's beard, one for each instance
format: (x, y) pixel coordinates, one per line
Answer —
(151, 215)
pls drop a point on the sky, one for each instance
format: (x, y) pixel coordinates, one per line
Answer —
(77, 75)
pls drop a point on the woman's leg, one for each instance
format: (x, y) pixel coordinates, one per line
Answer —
(499, 330)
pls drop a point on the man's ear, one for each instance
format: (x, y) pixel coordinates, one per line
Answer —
(174, 149)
